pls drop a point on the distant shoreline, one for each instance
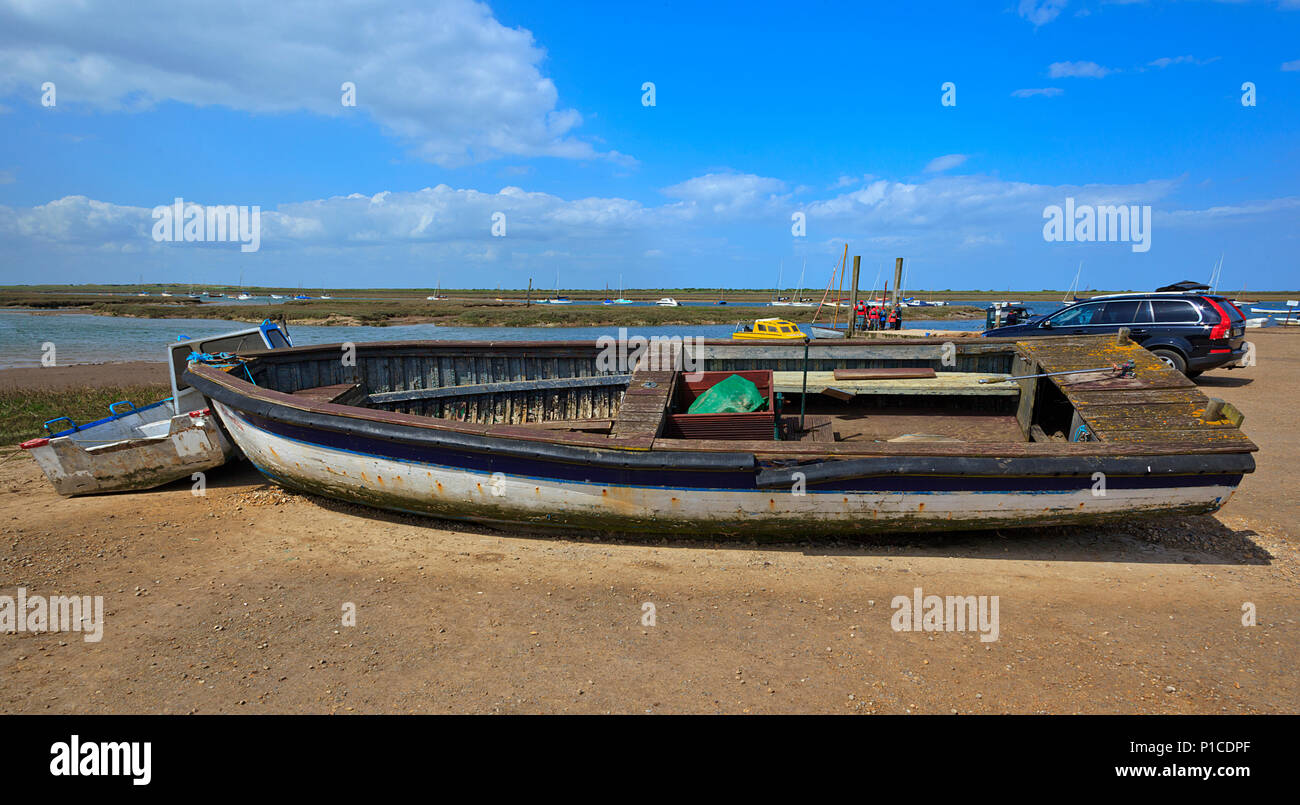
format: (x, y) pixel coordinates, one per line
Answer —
(447, 313)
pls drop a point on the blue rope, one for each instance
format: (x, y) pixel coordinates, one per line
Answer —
(222, 360)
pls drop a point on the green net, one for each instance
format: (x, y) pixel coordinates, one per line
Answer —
(734, 395)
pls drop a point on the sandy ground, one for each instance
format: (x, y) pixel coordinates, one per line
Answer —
(232, 602)
(134, 373)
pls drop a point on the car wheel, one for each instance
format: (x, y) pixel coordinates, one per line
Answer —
(1171, 359)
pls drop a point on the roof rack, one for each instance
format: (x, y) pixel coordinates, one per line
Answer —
(1186, 286)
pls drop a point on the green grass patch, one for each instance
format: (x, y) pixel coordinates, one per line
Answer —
(22, 411)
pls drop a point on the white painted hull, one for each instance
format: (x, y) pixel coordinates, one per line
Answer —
(495, 497)
(119, 457)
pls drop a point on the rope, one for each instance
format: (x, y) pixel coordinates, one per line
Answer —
(222, 360)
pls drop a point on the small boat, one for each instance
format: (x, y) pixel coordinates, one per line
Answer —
(1259, 321)
(621, 300)
(164, 294)
(1004, 314)
(451, 430)
(558, 300)
(770, 330)
(243, 297)
(668, 301)
(821, 331)
(326, 296)
(302, 296)
(143, 447)
(276, 296)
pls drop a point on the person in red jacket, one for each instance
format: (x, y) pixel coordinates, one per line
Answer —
(860, 315)
(895, 318)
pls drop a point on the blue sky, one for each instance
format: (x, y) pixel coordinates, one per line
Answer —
(534, 110)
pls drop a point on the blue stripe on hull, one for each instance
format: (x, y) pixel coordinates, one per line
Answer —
(687, 480)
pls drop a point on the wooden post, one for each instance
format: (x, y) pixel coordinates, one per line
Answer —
(528, 300)
(853, 307)
(1122, 337)
(898, 279)
(839, 294)
(1213, 410)
(803, 395)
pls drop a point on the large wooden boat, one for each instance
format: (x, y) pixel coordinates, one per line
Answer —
(539, 434)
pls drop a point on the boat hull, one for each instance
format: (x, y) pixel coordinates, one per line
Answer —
(726, 498)
(189, 444)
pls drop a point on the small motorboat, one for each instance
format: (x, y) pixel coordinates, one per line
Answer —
(668, 301)
(141, 448)
(770, 330)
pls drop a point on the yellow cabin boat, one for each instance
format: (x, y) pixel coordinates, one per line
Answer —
(770, 329)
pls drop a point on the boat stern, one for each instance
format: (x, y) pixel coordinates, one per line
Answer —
(170, 449)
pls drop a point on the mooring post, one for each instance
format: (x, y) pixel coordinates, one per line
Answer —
(528, 300)
(803, 396)
(1122, 337)
(853, 307)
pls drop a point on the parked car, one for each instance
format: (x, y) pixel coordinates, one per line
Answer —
(1190, 332)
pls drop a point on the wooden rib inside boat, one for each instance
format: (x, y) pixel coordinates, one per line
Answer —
(545, 434)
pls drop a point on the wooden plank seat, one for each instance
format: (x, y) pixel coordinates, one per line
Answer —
(340, 393)
(942, 384)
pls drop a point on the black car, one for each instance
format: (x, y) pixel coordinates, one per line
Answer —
(1191, 332)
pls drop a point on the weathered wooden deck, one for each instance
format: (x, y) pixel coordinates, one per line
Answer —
(1155, 405)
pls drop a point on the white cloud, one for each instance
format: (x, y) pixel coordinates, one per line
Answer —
(1265, 207)
(849, 181)
(1078, 69)
(1046, 92)
(1167, 61)
(943, 163)
(397, 238)
(1291, 66)
(728, 192)
(445, 76)
(1041, 12)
